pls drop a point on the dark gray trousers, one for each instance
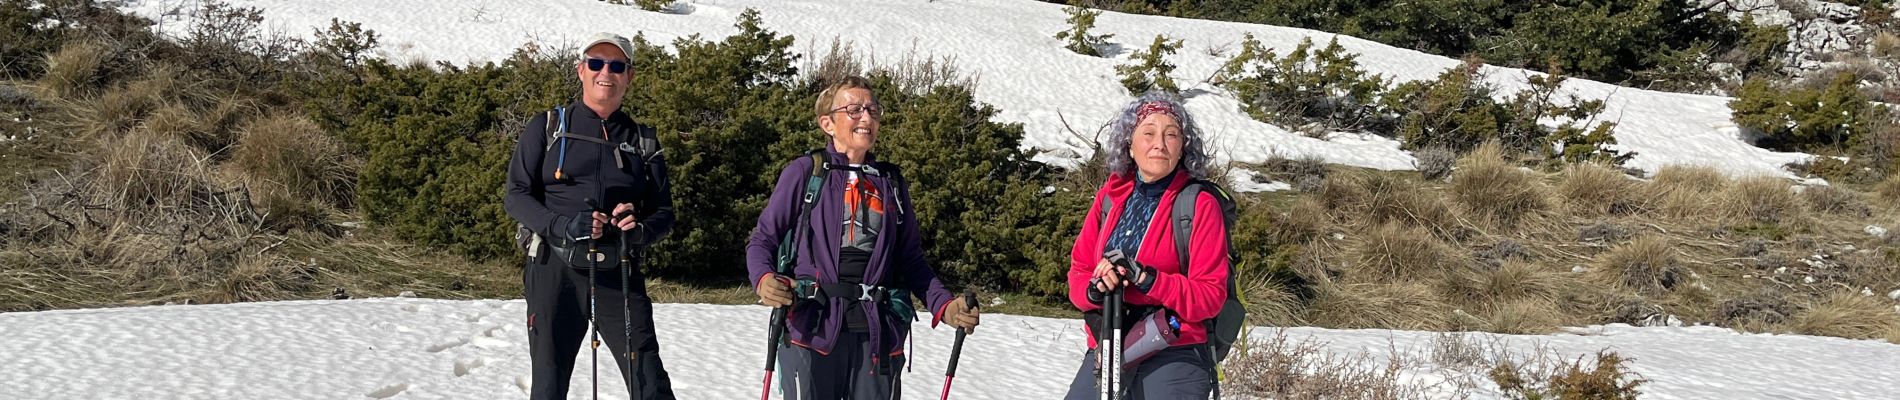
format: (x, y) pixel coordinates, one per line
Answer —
(848, 373)
(1181, 372)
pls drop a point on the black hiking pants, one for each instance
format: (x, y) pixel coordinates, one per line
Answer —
(557, 329)
(1181, 372)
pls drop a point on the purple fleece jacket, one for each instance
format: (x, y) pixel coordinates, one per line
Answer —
(897, 259)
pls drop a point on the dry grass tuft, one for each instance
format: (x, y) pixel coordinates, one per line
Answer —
(1847, 314)
(1835, 201)
(1889, 190)
(1596, 189)
(1391, 251)
(1379, 198)
(1510, 281)
(1762, 199)
(1390, 306)
(74, 70)
(263, 278)
(1270, 303)
(286, 155)
(176, 122)
(1887, 45)
(143, 171)
(1684, 192)
(1527, 317)
(1647, 264)
(1305, 221)
(1488, 185)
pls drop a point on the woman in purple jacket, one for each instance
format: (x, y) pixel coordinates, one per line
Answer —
(858, 258)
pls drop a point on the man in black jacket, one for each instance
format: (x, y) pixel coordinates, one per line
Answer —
(591, 151)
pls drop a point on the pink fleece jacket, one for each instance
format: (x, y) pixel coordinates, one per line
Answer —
(1195, 297)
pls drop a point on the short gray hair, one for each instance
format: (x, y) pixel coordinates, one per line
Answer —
(1121, 132)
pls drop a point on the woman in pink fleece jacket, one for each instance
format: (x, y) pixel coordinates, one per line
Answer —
(1153, 151)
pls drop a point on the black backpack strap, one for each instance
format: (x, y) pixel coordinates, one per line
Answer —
(557, 125)
(648, 141)
(1183, 217)
(896, 176)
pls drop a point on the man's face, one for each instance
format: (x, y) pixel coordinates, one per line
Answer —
(604, 86)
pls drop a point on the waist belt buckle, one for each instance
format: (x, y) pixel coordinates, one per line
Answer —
(870, 293)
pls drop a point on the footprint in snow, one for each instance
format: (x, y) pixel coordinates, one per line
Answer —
(463, 367)
(439, 347)
(388, 391)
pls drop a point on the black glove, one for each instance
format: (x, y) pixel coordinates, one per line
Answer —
(581, 227)
(1095, 292)
(1143, 277)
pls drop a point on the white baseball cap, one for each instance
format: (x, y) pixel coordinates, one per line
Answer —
(626, 48)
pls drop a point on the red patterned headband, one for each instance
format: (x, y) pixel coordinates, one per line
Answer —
(1154, 107)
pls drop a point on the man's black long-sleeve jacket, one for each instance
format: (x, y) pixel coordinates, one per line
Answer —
(589, 170)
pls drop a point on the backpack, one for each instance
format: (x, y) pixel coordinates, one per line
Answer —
(648, 150)
(1224, 329)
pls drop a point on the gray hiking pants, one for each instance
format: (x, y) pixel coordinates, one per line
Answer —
(848, 373)
(1180, 372)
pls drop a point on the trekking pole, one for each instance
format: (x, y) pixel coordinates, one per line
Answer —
(626, 306)
(776, 330)
(1114, 345)
(593, 260)
(1104, 345)
(956, 349)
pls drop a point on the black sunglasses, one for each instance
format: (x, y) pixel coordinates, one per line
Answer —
(594, 64)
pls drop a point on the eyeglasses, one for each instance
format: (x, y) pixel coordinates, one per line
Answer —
(857, 111)
(594, 64)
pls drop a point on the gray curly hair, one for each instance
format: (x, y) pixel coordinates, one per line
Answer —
(1121, 133)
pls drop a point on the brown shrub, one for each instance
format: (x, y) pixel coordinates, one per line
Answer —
(1607, 379)
(1280, 369)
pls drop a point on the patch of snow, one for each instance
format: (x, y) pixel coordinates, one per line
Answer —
(1026, 74)
(449, 349)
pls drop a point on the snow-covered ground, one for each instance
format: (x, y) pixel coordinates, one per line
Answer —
(401, 348)
(1025, 72)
